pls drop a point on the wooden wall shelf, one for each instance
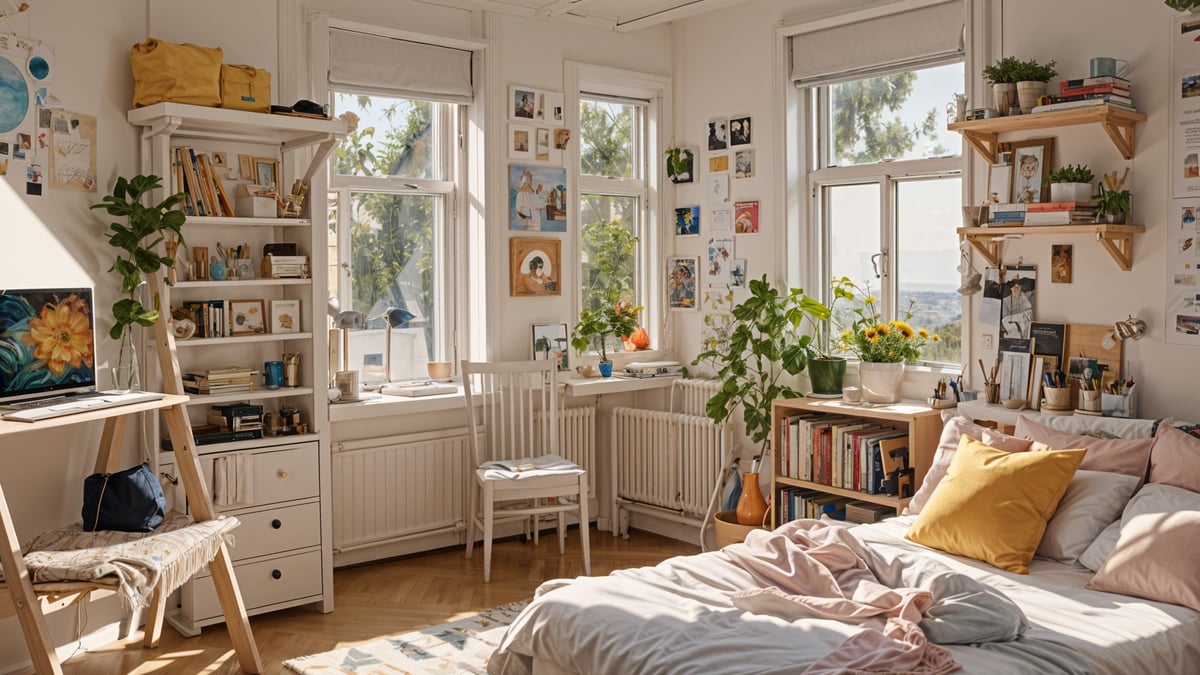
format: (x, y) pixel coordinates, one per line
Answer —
(1116, 239)
(983, 135)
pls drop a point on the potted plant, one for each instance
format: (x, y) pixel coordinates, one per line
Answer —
(765, 344)
(1002, 75)
(594, 327)
(1071, 183)
(1031, 82)
(882, 347)
(1113, 206)
(137, 255)
(1183, 5)
(827, 370)
(680, 164)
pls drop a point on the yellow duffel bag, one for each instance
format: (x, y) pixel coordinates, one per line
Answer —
(179, 73)
(245, 88)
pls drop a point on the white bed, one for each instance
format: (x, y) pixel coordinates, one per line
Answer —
(679, 616)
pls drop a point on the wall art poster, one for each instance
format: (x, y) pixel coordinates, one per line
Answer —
(1184, 107)
(687, 220)
(743, 163)
(536, 198)
(717, 300)
(718, 134)
(737, 273)
(745, 217)
(720, 258)
(1017, 301)
(739, 131)
(533, 266)
(681, 282)
(1183, 274)
(15, 97)
(73, 155)
(718, 187)
(716, 331)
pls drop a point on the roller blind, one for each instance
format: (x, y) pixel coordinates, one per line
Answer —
(894, 42)
(383, 66)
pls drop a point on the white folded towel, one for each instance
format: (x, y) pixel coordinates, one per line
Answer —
(532, 467)
(233, 479)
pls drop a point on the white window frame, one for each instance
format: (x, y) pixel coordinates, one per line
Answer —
(591, 81)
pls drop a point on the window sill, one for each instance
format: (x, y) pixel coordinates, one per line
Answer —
(387, 406)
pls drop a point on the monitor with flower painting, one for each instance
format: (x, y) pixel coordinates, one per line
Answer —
(47, 343)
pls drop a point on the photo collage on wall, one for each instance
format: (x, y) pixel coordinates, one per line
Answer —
(537, 189)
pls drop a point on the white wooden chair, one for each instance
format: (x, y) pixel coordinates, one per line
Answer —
(513, 411)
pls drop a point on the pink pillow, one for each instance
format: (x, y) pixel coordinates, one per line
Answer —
(955, 428)
(1175, 459)
(1116, 455)
(1155, 558)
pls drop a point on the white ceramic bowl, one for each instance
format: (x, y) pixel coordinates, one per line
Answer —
(1013, 403)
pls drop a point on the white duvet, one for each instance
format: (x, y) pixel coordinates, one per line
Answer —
(678, 617)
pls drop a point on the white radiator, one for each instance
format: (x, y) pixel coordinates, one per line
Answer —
(669, 460)
(577, 439)
(391, 489)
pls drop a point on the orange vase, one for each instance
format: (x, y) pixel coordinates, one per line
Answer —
(751, 507)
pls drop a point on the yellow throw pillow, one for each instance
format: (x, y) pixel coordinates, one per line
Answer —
(993, 505)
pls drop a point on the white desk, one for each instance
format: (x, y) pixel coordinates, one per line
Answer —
(980, 409)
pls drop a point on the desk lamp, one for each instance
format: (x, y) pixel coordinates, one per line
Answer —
(347, 320)
(1132, 328)
(395, 317)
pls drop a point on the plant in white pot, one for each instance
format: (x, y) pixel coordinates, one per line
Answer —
(1031, 82)
(1002, 75)
(1071, 183)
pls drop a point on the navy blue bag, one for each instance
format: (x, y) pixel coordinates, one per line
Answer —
(127, 501)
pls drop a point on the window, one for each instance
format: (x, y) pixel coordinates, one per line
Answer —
(887, 192)
(613, 196)
(392, 207)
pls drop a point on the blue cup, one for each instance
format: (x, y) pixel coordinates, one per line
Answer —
(273, 374)
(1106, 66)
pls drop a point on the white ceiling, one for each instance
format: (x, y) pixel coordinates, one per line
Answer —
(619, 15)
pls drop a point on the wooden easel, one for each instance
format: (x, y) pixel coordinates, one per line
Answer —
(25, 596)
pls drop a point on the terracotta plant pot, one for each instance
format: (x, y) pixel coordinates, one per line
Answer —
(1028, 93)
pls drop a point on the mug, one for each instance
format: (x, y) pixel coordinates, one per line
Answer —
(1106, 66)
(347, 383)
(273, 374)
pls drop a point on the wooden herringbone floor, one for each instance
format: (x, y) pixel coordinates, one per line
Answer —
(384, 598)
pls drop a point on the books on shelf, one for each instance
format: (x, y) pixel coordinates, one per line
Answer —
(1060, 213)
(653, 368)
(1085, 103)
(866, 512)
(219, 380)
(194, 175)
(1007, 214)
(1086, 81)
(207, 434)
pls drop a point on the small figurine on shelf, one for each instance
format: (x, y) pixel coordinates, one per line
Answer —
(293, 203)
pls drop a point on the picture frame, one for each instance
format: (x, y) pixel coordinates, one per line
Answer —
(682, 273)
(537, 198)
(737, 273)
(247, 317)
(530, 104)
(1050, 343)
(1062, 263)
(520, 142)
(551, 341)
(717, 134)
(739, 131)
(1031, 161)
(745, 217)
(687, 221)
(743, 163)
(542, 145)
(246, 166)
(534, 267)
(522, 102)
(266, 172)
(999, 183)
(285, 316)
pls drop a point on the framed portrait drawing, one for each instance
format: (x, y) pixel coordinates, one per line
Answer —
(285, 316)
(533, 265)
(247, 317)
(520, 142)
(681, 282)
(551, 342)
(266, 171)
(1031, 161)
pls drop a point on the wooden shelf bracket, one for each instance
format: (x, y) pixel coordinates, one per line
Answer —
(1119, 245)
(1116, 239)
(987, 245)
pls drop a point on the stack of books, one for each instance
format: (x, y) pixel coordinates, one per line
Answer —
(193, 174)
(236, 417)
(1060, 213)
(866, 512)
(645, 369)
(1090, 91)
(1007, 215)
(219, 380)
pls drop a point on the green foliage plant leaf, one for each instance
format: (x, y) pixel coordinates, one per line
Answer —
(1071, 173)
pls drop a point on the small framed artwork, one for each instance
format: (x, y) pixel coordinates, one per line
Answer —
(681, 282)
(737, 273)
(247, 317)
(721, 220)
(683, 170)
(999, 183)
(266, 171)
(537, 197)
(552, 112)
(246, 166)
(520, 142)
(718, 163)
(522, 102)
(243, 268)
(542, 148)
(718, 134)
(743, 163)
(220, 160)
(1031, 161)
(687, 221)
(533, 266)
(1062, 259)
(745, 217)
(561, 138)
(739, 131)
(285, 316)
(550, 342)
(718, 186)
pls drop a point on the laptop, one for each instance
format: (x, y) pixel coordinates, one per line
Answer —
(48, 355)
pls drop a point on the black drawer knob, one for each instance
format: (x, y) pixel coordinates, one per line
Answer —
(276, 574)
(276, 524)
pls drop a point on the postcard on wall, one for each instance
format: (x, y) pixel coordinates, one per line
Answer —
(717, 300)
(718, 163)
(715, 333)
(1185, 106)
(718, 187)
(737, 272)
(1183, 274)
(743, 163)
(520, 142)
(537, 198)
(1062, 262)
(681, 282)
(73, 153)
(687, 220)
(720, 258)
(745, 217)
(542, 147)
(739, 131)
(721, 221)
(718, 134)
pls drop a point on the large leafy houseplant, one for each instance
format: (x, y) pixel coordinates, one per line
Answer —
(765, 343)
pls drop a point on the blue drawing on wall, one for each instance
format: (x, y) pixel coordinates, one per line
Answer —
(14, 96)
(39, 68)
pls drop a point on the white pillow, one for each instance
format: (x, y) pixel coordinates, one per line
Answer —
(1087, 425)
(1093, 500)
(1152, 498)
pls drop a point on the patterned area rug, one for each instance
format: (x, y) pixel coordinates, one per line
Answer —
(462, 646)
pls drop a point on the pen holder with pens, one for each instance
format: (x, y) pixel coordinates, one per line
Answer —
(1057, 398)
(991, 390)
(1119, 405)
(1089, 400)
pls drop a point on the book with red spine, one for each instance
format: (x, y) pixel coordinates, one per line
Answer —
(1095, 89)
(1059, 206)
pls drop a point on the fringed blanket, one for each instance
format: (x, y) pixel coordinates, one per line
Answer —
(134, 561)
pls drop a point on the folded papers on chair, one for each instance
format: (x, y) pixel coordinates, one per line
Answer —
(233, 479)
(530, 467)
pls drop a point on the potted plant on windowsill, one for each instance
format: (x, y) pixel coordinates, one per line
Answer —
(883, 348)
(137, 255)
(594, 327)
(827, 370)
(765, 344)
(1071, 183)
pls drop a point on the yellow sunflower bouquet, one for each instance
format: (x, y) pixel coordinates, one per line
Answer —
(874, 340)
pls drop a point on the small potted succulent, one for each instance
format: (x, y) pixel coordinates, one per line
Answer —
(1071, 183)
(1113, 205)
(1031, 82)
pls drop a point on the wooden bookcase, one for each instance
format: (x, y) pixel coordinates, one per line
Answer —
(924, 425)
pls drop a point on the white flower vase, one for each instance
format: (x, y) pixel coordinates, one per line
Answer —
(880, 381)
